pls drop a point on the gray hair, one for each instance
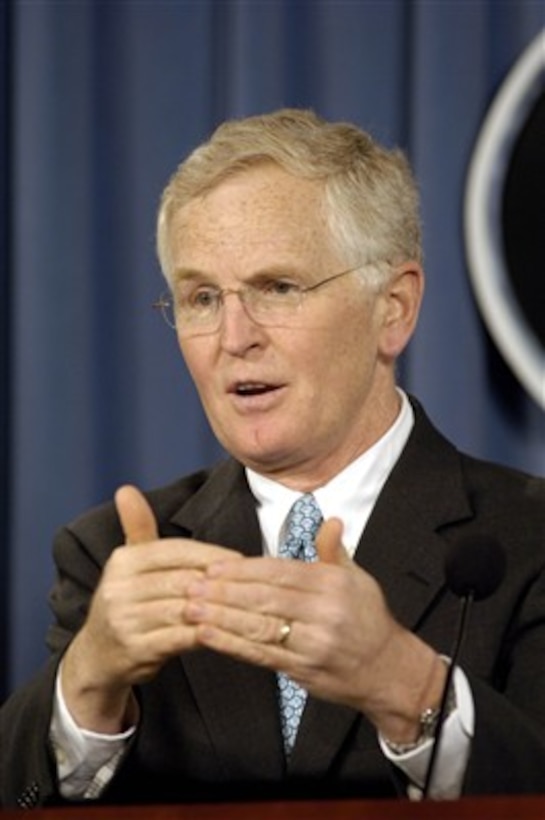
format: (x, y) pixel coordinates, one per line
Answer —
(370, 195)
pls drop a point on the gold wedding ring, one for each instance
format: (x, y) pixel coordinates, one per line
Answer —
(284, 633)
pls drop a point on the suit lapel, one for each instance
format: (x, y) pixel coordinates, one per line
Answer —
(402, 549)
(404, 543)
(237, 702)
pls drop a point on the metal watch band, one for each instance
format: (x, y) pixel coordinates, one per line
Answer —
(427, 723)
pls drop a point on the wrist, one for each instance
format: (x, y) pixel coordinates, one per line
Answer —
(93, 705)
(414, 695)
(427, 725)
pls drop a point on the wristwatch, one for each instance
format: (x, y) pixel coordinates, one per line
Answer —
(428, 725)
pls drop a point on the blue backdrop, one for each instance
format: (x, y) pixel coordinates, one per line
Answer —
(99, 103)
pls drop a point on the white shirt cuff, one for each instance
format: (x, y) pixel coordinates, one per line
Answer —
(452, 759)
(80, 753)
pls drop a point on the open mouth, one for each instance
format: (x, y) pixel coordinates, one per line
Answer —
(253, 389)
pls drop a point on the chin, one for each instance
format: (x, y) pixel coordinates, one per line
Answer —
(262, 457)
(262, 446)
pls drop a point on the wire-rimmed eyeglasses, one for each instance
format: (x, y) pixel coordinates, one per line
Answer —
(196, 307)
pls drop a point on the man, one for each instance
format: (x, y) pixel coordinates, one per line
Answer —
(291, 247)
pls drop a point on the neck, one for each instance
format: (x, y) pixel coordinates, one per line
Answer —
(310, 474)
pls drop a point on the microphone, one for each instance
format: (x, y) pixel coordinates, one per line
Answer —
(474, 569)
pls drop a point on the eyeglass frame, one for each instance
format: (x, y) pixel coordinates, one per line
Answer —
(166, 300)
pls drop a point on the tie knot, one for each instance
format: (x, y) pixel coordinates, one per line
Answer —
(304, 521)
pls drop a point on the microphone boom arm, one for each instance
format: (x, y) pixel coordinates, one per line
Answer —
(460, 636)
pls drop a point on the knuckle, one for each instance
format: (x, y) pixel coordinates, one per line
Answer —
(173, 612)
(117, 560)
(264, 630)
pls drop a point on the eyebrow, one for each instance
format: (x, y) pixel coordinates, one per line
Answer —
(193, 274)
(183, 274)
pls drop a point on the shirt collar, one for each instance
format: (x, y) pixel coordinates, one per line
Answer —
(350, 495)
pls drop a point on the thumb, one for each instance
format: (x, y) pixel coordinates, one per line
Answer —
(329, 545)
(136, 516)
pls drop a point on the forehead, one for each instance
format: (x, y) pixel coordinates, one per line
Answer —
(261, 214)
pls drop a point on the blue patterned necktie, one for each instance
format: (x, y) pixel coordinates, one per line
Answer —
(303, 523)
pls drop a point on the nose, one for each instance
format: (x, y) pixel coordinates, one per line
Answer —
(238, 332)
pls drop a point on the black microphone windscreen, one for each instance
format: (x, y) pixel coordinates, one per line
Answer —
(475, 566)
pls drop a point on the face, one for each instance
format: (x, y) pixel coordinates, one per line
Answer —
(300, 401)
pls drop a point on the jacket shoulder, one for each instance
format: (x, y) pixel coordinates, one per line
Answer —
(100, 524)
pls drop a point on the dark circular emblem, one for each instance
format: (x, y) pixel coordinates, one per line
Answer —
(504, 219)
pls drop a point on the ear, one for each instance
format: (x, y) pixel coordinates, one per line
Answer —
(402, 298)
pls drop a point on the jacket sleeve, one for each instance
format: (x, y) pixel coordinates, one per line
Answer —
(27, 764)
(508, 748)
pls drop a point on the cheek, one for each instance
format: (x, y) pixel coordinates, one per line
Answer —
(351, 357)
(335, 368)
(351, 341)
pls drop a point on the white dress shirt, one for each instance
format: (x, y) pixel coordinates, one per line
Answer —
(86, 761)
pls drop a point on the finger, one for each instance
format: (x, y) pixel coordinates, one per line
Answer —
(276, 572)
(179, 554)
(254, 597)
(251, 626)
(149, 651)
(271, 655)
(136, 516)
(329, 544)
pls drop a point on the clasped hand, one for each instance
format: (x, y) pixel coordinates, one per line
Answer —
(158, 598)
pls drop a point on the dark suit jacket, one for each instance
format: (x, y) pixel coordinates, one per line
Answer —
(209, 725)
